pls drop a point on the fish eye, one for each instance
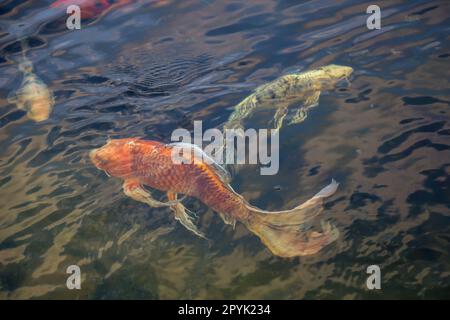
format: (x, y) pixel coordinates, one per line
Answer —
(101, 161)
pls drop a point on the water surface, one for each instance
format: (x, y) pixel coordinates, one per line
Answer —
(147, 68)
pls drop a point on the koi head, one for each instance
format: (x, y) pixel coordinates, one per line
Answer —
(115, 157)
(336, 73)
(26, 66)
(40, 109)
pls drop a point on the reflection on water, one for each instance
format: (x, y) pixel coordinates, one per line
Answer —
(147, 68)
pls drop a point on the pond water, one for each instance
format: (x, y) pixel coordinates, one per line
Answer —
(145, 68)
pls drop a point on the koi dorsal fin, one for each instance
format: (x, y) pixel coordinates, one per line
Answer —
(200, 155)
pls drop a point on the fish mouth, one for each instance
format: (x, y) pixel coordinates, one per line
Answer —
(345, 77)
(96, 161)
(343, 73)
(99, 162)
(348, 72)
(339, 72)
(93, 157)
(92, 153)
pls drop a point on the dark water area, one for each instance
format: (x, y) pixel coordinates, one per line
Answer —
(148, 67)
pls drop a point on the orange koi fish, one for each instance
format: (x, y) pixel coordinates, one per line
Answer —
(90, 8)
(94, 8)
(150, 163)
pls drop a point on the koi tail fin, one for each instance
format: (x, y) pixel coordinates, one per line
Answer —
(282, 231)
(25, 65)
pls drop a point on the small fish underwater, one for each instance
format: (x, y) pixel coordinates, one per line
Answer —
(33, 96)
(299, 90)
(149, 163)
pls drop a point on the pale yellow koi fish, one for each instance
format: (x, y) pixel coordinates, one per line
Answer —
(301, 90)
(33, 96)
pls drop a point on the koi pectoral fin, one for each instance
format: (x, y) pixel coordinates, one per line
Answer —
(15, 98)
(279, 116)
(299, 116)
(184, 215)
(312, 100)
(134, 190)
(12, 98)
(302, 112)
